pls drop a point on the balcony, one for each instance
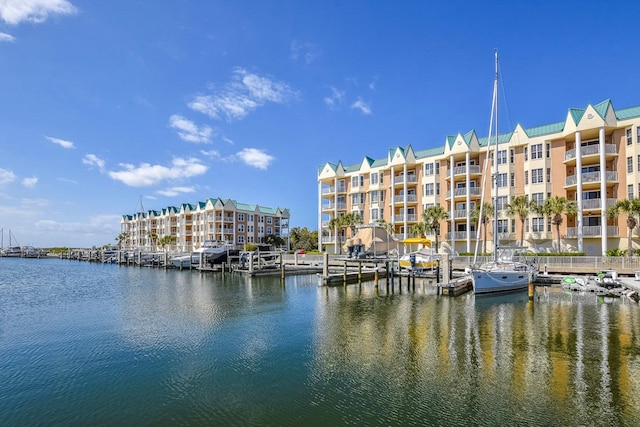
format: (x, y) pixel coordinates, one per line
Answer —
(411, 198)
(591, 231)
(462, 192)
(332, 189)
(460, 213)
(330, 206)
(461, 235)
(596, 204)
(410, 218)
(328, 239)
(462, 170)
(591, 177)
(590, 150)
(401, 179)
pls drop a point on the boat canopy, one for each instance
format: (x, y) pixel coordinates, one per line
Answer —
(417, 241)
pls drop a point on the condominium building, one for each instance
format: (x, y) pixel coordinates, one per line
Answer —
(193, 224)
(591, 156)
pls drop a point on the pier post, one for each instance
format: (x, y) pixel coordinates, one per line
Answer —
(200, 259)
(166, 260)
(446, 270)
(344, 273)
(375, 276)
(531, 287)
(250, 262)
(281, 267)
(325, 264)
(360, 272)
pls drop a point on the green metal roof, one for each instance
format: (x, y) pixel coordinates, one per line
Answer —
(602, 108)
(628, 113)
(544, 129)
(576, 114)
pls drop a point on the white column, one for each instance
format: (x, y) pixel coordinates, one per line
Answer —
(453, 204)
(579, 190)
(603, 191)
(468, 202)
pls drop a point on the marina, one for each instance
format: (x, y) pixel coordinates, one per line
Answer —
(98, 344)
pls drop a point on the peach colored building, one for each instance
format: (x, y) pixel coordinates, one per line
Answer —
(193, 224)
(590, 156)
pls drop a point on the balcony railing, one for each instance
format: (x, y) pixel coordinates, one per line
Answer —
(590, 150)
(597, 203)
(460, 213)
(460, 235)
(401, 179)
(592, 231)
(462, 170)
(328, 206)
(410, 218)
(411, 198)
(587, 177)
(473, 191)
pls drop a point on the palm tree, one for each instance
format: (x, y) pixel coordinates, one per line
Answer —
(521, 206)
(553, 208)
(432, 217)
(122, 239)
(166, 240)
(352, 220)
(418, 229)
(337, 223)
(153, 236)
(487, 213)
(631, 208)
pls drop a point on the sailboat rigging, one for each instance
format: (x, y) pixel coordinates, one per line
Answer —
(503, 273)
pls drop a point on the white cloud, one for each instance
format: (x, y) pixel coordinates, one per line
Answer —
(4, 37)
(255, 157)
(307, 51)
(146, 174)
(61, 142)
(174, 191)
(245, 93)
(71, 181)
(362, 106)
(335, 99)
(30, 182)
(6, 176)
(189, 131)
(14, 12)
(93, 160)
(101, 225)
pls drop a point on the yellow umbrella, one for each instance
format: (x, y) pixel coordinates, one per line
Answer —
(417, 241)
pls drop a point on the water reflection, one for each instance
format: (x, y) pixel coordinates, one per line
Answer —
(574, 355)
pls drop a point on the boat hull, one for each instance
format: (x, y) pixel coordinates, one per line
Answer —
(487, 282)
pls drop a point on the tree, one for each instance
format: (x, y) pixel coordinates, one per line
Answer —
(122, 239)
(153, 236)
(630, 208)
(165, 241)
(352, 221)
(302, 238)
(337, 224)
(418, 229)
(432, 217)
(553, 208)
(273, 240)
(521, 207)
(487, 213)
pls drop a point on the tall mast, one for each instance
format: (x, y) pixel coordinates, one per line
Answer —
(495, 165)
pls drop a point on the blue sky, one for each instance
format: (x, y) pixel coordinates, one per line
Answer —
(104, 104)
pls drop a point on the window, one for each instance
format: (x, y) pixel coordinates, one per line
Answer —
(501, 203)
(502, 180)
(536, 151)
(629, 164)
(251, 218)
(241, 240)
(261, 218)
(526, 154)
(630, 192)
(548, 174)
(513, 179)
(629, 140)
(638, 134)
(503, 226)
(374, 197)
(537, 225)
(261, 229)
(269, 220)
(526, 177)
(511, 156)
(536, 176)
(538, 198)
(429, 189)
(269, 230)
(250, 228)
(374, 178)
(428, 169)
(548, 149)
(240, 217)
(241, 228)
(638, 162)
(502, 157)
(437, 188)
(438, 164)
(355, 180)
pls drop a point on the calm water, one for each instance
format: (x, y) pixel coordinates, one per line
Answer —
(91, 344)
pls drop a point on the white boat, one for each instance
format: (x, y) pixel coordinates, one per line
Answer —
(210, 252)
(260, 259)
(422, 259)
(503, 273)
(12, 251)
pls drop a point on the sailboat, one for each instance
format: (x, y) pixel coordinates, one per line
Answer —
(503, 273)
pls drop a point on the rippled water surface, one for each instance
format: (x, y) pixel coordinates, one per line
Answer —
(92, 344)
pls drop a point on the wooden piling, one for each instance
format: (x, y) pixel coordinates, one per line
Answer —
(531, 287)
